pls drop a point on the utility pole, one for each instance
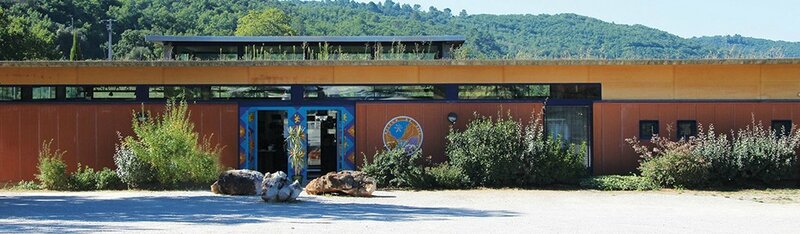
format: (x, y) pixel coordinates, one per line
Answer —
(109, 23)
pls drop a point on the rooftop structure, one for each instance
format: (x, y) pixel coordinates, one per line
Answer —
(306, 47)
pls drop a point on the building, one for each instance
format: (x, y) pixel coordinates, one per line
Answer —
(354, 107)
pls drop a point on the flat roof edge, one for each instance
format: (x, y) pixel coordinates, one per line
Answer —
(301, 39)
(101, 63)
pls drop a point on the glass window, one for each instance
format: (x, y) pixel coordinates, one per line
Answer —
(647, 129)
(376, 92)
(44, 93)
(10, 93)
(78, 92)
(570, 124)
(575, 91)
(114, 92)
(251, 92)
(503, 91)
(185, 92)
(783, 127)
(687, 128)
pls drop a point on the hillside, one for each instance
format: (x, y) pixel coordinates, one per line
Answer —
(489, 36)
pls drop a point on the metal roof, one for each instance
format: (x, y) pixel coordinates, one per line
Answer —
(301, 39)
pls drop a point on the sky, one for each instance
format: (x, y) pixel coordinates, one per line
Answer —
(769, 19)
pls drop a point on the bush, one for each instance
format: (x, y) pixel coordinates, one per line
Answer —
(547, 160)
(501, 152)
(172, 150)
(618, 182)
(488, 151)
(132, 170)
(83, 179)
(764, 155)
(446, 177)
(396, 168)
(107, 179)
(52, 168)
(753, 154)
(677, 168)
(25, 185)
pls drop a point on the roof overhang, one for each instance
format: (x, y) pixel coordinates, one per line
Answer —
(455, 39)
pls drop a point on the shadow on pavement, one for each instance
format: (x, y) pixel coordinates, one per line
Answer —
(209, 209)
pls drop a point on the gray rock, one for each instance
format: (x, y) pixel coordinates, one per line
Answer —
(353, 183)
(277, 188)
(238, 182)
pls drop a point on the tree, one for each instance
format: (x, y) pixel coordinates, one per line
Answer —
(25, 35)
(269, 22)
(74, 53)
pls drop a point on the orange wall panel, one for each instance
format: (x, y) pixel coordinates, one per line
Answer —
(616, 121)
(546, 74)
(375, 74)
(206, 75)
(121, 75)
(88, 133)
(461, 74)
(291, 75)
(372, 118)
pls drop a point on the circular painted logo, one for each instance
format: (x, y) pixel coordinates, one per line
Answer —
(403, 131)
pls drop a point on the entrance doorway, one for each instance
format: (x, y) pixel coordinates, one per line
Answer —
(572, 124)
(272, 156)
(322, 142)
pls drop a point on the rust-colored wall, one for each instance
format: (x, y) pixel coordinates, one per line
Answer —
(620, 81)
(88, 132)
(372, 117)
(616, 121)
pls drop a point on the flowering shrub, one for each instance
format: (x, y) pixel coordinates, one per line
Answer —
(752, 154)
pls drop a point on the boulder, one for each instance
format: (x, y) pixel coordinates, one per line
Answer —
(277, 188)
(238, 182)
(353, 183)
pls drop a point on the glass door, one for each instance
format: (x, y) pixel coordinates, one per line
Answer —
(572, 124)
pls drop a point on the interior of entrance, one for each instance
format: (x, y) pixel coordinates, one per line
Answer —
(272, 156)
(322, 142)
(571, 124)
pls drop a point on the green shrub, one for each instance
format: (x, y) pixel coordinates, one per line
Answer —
(25, 185)
(764, 155)
(397, 168)
(445, 176)
(52, 168)
(547, 160)
(502, 152)
(618, 182)
(171, 148)
(132, 170)
(677, 168)
(107, 179)
(488, 151)
(83, 179)
(753, 154)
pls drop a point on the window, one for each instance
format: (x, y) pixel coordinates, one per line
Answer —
(530, 91)
(503, 91)
(687, 128)
(377, 92)
(647, 129)
(44, 93)
(78, 93)
(251, 92)
(783, 127)
(10, 93)
(114, 92)
(185, 92)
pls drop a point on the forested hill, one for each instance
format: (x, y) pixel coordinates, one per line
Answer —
(40, 29)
